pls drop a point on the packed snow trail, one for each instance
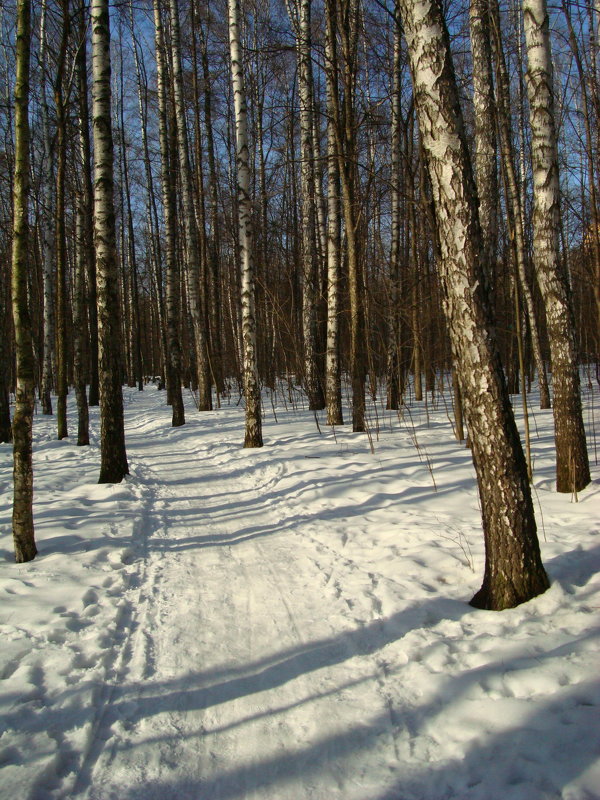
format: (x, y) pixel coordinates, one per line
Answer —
(236, 682)
(290, 622)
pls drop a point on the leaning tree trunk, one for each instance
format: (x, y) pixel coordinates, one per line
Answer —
(572, 465)
(513, 570)
(22, 517)
(253, 437)
(113, 466)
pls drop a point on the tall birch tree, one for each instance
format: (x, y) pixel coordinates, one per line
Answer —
(572, 465)
(192, 248)
(22, 517)
(253, 435)
(513, 570)
(169, 211)
(113, 465)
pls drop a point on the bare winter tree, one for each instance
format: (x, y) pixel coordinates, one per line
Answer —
(572, 465)
(253, 436)
(113, 466)
(22, 518)
(513, 571)
(169, 210)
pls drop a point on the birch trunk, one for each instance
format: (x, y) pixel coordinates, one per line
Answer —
(253, 436)
(79, 326)
(168, 188)
(393, 345)
(47, 226)
(192, 244)
(513, 570)
(88, 205)
(572, 465)
(333, 388)
(22, 516)
(486, 170)
(61, 242)
(301, 22)
(343, 19)
(113, 464)
(513, 200)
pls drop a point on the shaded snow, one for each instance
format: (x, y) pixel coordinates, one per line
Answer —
(291, 622)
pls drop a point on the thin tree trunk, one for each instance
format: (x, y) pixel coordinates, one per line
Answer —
(47, 225)
(168, 188)
(572, 465)
(113, 466)
(88, 205)
(514, 571)
(192, 249)
(333, 390)
(513, 199)
(486, 169)
(60, 228)
(22, 517)
(83, 434)
(253, 436)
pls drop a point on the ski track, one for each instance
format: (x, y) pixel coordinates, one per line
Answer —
(288, 627)
(201, 707)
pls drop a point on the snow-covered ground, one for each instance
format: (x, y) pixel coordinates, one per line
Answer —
(291, 622)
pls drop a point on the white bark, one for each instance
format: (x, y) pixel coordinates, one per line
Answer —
(572, 466)
(253, 437)
(514, 572)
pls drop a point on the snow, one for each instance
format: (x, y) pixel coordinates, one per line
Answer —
(291, 622)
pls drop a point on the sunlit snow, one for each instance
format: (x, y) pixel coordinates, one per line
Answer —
(292, 622)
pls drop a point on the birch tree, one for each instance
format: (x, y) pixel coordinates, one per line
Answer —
(22, 517)
(572, 465)
(192, 248)
(113, 466)
(333, 390)
(513, 569)
(169, 211)
(253, 435)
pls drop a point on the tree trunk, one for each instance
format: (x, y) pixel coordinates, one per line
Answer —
(253, 437)
(572, 465)
(22, 517)
(513, 571)
(113, 465)
(60, 229)
(83, 433)
(168, 193)
(513, 199)
(333, 388)
(88, 205)
(486, 169)
(47, 226)
(192, 249)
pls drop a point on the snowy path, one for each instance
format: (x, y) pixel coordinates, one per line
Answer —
(236, 683)
(290, 623)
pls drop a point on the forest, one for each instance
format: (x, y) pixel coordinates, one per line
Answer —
(309, 192)
(300, 335)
